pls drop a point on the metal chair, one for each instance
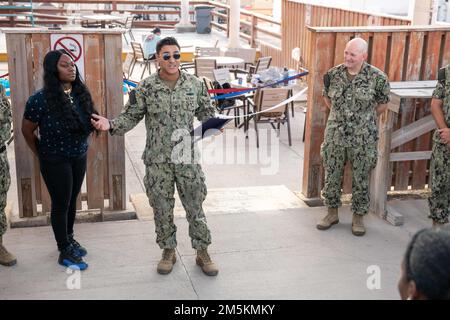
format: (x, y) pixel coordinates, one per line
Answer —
(261, 65)
(138, 54)
(126, 65)
(128, 25)
(201, 52)
(265, 99)
(205, 67)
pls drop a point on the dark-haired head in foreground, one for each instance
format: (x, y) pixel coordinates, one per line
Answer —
(426, 266)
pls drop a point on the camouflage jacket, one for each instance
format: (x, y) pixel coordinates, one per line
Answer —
(442, 92)
(352, 119)
(165, 111)
(5, 117)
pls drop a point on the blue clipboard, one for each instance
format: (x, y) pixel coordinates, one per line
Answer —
(212, 123)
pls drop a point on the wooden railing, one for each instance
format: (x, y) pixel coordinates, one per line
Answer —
(406, 54)
(274, 38)
(169, 10)
(254, 27)
(297, 16)
(404, 94)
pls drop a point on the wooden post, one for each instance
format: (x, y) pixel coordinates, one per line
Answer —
(103, 76)
(116, 144)
(380, 180)
(19, 66)
(253, 32)
(228, 22)
(12, 18)
(95, 81)
(41, 43)
(322, 55)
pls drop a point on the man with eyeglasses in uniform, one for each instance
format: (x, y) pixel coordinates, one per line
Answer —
(169, 100)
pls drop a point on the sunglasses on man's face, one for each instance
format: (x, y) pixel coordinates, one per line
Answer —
(166, 56)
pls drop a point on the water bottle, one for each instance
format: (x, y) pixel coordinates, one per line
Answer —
(285, 76)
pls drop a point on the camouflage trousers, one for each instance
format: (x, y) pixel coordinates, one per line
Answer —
(160, 180)
(5, 182)
(439, 200)
(362, 159)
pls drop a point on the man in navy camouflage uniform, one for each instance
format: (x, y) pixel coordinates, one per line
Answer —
(356, 93)
(6, 258)
(169, 100)
(439, 200)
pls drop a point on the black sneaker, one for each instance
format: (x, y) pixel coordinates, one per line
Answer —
(68, 257)
(78, 247)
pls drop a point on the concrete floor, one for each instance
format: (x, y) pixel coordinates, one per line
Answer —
(264, 255)
(265, 249)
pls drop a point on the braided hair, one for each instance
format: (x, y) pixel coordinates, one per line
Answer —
(427, 261)
(59, 103)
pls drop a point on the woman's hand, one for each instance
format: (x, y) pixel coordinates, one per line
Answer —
(100, 123)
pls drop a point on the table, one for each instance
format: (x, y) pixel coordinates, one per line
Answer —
(389, 139)
(102, 18)
(248, 85)
(225, 61)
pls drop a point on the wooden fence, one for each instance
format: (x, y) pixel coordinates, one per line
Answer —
(405, 54)
(275, 38)
(59, 14)
(254, 26)
(103, 76)
(297, 16)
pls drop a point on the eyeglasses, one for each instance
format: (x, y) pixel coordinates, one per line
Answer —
(167, 56)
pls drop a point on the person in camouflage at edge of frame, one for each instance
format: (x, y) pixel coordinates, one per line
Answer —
(169, 100)
(6, 258)
(355, 92)
(439, 200)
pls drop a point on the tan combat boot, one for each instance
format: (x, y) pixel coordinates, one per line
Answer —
(330, 219)
(358, 225)
(204, 261)
(6, 258)
(169, 258)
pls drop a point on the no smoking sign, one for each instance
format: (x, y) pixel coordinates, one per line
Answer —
(73, 44)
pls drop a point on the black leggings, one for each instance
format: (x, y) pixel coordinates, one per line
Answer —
(63, 178)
